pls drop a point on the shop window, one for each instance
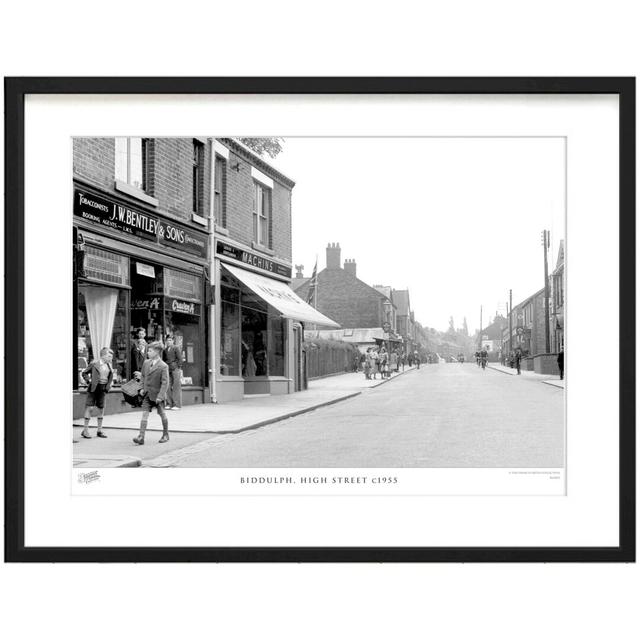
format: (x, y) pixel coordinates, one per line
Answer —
(102, 321)
(261, 214)
(276, 341)
(252, 334)
(254, 343)
(185, 329)
(168, 302)
(230, 332)
(132, 162)
(220, 191)
(179, 284)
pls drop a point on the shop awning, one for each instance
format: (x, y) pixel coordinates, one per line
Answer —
(281, 297)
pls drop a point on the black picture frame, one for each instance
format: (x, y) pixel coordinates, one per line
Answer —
(15, 91)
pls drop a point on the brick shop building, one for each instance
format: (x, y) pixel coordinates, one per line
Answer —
(189, 237)
(258, 320)
(528, 325)
(360, 309)
(140, 254)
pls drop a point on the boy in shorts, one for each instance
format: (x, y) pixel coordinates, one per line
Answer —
(155, 384)
(98, 376)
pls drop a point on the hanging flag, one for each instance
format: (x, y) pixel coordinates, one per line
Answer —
(313, 286)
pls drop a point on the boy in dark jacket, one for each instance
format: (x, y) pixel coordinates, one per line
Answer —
(98, 376)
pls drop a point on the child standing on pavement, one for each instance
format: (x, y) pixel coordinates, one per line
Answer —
(98, 376)
(155, 384)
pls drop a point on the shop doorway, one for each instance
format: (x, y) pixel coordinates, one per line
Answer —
(147, 300)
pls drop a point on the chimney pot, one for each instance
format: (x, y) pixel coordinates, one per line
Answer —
(333, 256)
(350, 266)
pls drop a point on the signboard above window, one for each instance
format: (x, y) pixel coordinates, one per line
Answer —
(145, 270)
(121, 218)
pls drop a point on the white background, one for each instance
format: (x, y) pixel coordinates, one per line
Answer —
(587, 516)
(400, 601)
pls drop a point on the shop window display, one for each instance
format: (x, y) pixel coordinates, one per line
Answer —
(102, 321)
(230, 332)
(252, 342)
(161, 305)
(276, 337)
(185, 330)
(147, 308)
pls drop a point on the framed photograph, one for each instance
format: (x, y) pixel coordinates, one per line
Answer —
(320, 319)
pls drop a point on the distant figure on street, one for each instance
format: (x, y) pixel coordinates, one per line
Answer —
(173, 357)
(383, 363)
(366, 365)
(98, 376)
(410, 359)
(478, 358)
(155, 384)
(416, 358)
(517, 358)
(561, 363)
(373, 362)
(393, 361)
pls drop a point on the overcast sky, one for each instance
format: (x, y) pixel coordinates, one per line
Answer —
(457, 221)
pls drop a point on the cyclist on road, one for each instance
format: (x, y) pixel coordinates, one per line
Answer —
(483, 357)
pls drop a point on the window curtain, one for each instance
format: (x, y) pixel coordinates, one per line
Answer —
(101, 311)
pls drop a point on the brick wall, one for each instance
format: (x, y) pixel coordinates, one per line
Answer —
(538, 344)
(173, 176)
(240, 188)
(94, 159)
(169, 171)
(345, 299)
(281, 209)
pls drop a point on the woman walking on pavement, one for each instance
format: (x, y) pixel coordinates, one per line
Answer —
(384, 363)
(393, 362)
(373, 362)
(367, 364)
(155, 384)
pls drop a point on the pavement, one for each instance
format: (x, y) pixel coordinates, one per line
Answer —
(550, 379)
(196, 423)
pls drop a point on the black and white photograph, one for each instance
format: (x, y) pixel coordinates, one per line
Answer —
(359, 316)
(319, 302)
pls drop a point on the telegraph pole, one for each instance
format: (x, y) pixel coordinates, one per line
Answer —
(480, 341)
(545, 246)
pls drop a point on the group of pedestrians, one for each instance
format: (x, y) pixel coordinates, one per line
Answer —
(157, 380)
(379, 361)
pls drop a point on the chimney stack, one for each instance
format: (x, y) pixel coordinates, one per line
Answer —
(350, 267)
(299, 271)
(333, 255)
